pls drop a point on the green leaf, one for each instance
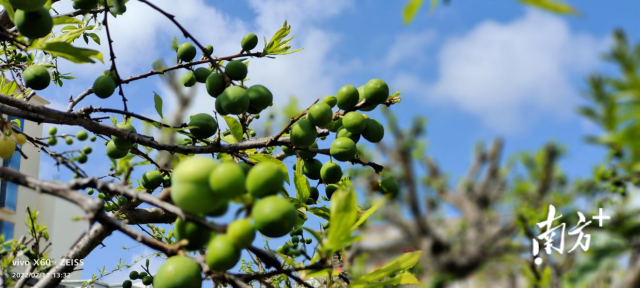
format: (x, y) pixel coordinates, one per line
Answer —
(279, 44)
(344, 214)
(322, 212)
(158, 103)
(235, 127)
(404, 262)
(410, 10)
(66, 20)
(370, 211)
(94, 37)
(405, 278)
(269, 158)
(303, 190)
(174, 44)
(73, 54)
(551, 6)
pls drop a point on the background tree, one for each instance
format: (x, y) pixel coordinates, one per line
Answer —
(481, 225)
(235, 167)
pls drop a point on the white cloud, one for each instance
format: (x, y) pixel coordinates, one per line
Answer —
(409, 47)
(143, 35)
(507, 74)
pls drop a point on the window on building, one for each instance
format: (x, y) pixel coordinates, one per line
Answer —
(6, 229)
(9, 190)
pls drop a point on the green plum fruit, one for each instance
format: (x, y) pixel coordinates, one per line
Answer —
(152, 179)
(388, 185)
(114, 152)
(242, 233)
(376, 91)
(343, 149)
(303, 133)
(274, 216)
(208, 50)
(373, 131)
(265, 178)
(331, 173)
(190, 185)
(220, 208)
(311, 168)
(343, 132)
(84, 4)
(236, 70)
(121, 142)
(104, 86)
(347, 97)
(52, 141)
(186, 52)
(36, 77)
(354, 122)
(82, 135)
(330, 189)
(313, 196)
(189, 79)
(330, 100)
(249, 42)
(27, 5)
(202, 74)
(227, 180)
(82, 158)
(367, 107)
(178, 272)
(222, 255)
(260, 98)
(196, 236)
(215, 84)
(308, 154)
(204, 125)
(288, 151)
(33, 24)
(53, 130)
(219, 108)
(335, 125)
(320, 114)
(234, 100)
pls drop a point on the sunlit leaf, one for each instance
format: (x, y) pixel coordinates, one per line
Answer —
(303, 190)
(343, 216)
(410, 10)
(235, 127)
(404, 262)
(73, 54)
(157, 100)
(551, 6)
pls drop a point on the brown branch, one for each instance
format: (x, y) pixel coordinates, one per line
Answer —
(74, 101)
(291, 122)
(113, 55)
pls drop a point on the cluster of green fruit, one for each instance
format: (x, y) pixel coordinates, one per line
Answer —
(32, 18)
(349, 127)
(118, 147)
(8, 143)
(135, 275)
(82, 135)
(290, 248)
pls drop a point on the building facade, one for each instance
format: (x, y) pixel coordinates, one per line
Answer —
(53, 212)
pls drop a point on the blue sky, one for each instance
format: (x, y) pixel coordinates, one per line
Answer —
(475, 69)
